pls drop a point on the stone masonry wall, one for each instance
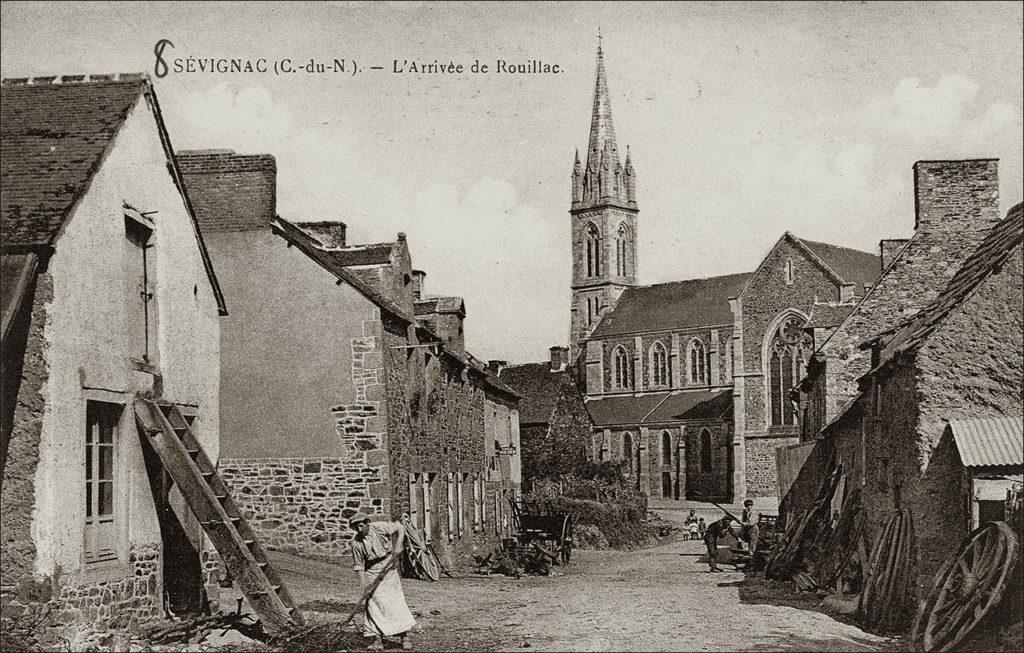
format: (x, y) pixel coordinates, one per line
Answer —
(956, 205)
(677, 358)
(303, 504)
(300, 504)
(714, 484)
(17, 546)
(972, 366)
(74, 616)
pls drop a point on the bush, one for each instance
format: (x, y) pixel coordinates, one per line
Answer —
(620, 523)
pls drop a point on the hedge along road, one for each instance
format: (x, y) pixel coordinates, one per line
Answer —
(656, 599)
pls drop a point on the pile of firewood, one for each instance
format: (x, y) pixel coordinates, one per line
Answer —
(517, 560)
(197, 629)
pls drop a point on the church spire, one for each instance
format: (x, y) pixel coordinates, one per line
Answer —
(603, 179)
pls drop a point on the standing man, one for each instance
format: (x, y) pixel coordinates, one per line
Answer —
(716, 531)
(374, 546)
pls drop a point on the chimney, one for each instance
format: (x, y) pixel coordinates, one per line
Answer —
(888, 248)
(230, 191)
(330, 233)
(495, 366)
(559, 358)
(417, 283)
(951, 197)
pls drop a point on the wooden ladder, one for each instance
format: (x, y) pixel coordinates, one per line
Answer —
(208, 497)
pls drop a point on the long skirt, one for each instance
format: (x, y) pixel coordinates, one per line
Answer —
(387, 613)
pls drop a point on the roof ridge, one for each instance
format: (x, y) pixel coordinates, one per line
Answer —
(89, 78)
(669, 283)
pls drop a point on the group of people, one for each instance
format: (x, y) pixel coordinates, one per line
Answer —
(718, 529)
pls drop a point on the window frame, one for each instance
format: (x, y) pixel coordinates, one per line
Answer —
(697, 362)
(102, 528)
(661, 373)
(620, 368)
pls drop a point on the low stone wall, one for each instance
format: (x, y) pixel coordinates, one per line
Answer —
(66, 615)
(302, 504)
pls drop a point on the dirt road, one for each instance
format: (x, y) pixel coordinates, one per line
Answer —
(657, 599)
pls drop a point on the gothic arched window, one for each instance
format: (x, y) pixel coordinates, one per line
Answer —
(705, 451)
(666, 448)
(620, 368)
(698, 364)
(787, 351)
(622, 251)
(627, 451)
(659, 365)
(593, 251)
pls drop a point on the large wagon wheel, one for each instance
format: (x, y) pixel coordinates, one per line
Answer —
(566, 539)
(968, 585)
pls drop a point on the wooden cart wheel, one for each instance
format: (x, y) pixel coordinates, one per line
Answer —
(429, 563)
(969, 584)
(566, 540)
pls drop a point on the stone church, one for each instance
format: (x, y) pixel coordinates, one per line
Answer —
(688, 382)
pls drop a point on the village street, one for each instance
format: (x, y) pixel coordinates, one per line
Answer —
(660, 598)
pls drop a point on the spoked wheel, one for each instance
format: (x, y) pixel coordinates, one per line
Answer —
(429, 563)
(967, 586)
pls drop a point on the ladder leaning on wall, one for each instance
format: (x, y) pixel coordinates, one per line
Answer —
(207, 495)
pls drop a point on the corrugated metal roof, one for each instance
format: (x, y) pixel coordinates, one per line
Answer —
(991, 441)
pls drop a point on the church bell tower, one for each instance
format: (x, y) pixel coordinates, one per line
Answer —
(603, 216)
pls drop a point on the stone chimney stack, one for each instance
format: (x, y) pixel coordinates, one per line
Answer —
(954, 196)
(888, 248)
(230, 191)
(331, 233)
(559, 358)
(418, 276)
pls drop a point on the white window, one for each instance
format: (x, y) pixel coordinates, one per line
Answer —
(100, 481)
(620, 371)
(698, 364)
(659, 365)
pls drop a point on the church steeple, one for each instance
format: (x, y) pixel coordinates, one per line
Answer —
(603, 179)
(603, 215)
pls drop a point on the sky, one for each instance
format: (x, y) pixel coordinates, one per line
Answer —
(744, 120)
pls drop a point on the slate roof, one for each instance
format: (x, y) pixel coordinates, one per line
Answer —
(675, 305)
(54, 138)
(851, 265)
(1002, 241)
(539, 388)
(991, 441)
(692, 405)
(623, 410)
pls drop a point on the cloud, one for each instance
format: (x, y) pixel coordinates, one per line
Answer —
(247, 119)
(943, 112)
(502, 255)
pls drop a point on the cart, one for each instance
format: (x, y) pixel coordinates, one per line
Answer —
(550, 534)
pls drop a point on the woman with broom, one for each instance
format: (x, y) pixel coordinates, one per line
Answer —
(375, 548)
